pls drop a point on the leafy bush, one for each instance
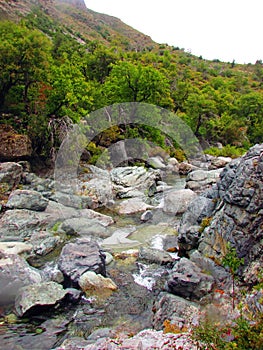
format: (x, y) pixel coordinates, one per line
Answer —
(226, 151)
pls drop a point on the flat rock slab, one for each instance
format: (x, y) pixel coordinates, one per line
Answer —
(133, 206)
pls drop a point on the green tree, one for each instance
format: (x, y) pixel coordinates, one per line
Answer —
(24, 61)
(130, 82)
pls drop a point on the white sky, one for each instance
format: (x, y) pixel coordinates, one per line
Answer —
(227, 29)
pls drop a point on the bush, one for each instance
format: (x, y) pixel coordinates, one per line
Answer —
(226, 151)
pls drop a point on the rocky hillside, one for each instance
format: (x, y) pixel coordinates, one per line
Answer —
(77, 19)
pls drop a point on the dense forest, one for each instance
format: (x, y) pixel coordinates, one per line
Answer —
(48, 76)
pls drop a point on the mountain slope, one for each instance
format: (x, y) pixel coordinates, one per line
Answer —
(80, 21)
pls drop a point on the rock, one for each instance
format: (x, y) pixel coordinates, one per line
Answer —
(190, 229)
(132, 206)
(185, 168)
(177, 201)
(200, 179)
(156, 162)
(180, 312)
(104, 220)
(137, 178)
(79, 257)
(205, 264)
(32, 297)
(45, 242)
(19, 224)
(13, 146)
(119, 237)
(170, 243)
(155, 256)
(26, 199)
(147, 215)
(10, 174)
(90, 281)
(15, 273)
(219, 162)
(99, 190)
(108, 258)
(188, 281)
(238, 216)
(15, 247)
(84, 227)
(73, 295)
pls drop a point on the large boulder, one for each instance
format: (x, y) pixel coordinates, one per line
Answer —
(13, 146)
(31, 298)
(188, 281)
(15, 273)
(26, 199)
(79, 257)
(10, 175)
(178, 311)
(177, 201)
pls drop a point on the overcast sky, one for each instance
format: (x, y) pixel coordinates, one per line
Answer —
(227, 29)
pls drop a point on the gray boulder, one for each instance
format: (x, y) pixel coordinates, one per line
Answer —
(15, 273)
(10, 174)
(26, 199)
(32, 297)
(177, 201)
(155, 256)
(81, 256)
(178, 311)
(188, 281)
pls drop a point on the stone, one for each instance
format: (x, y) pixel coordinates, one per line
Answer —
(26, 199)
(84, 227)
(79, 257)
(10, 174)
(31, 298)
(119, 237)
(137, 178)
(147, 215)
(188, 281)
(199, 179)
(185, 168)
(13, 146)
(15, 248)
(219, 162)
(90, 281)
(155, 256)
(156, 162)
(177, 201)
(15, 273)
(19, 224)
(180, 312)
(133, 206)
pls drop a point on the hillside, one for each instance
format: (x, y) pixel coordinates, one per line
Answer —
(60, 62)
(76, 18)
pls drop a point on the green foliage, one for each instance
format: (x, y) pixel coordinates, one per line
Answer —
(226, 151)
(233, 262)
(49, 70)
(240, 334)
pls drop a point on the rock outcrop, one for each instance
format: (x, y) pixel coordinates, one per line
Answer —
(232, 211)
